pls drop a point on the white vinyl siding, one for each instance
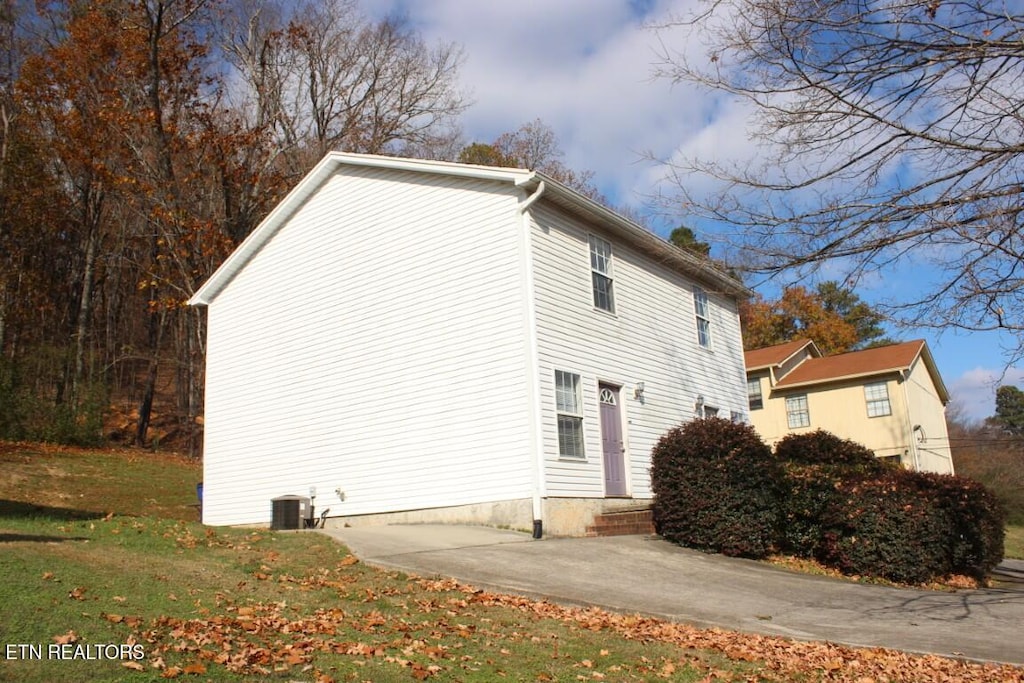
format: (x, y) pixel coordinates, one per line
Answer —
(569, 404)
(876, 395)
(350, 353)
(601, 273)
(797, 413)
(649, 340)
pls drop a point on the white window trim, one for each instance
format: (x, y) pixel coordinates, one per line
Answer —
(597, 273)
(572, 413)
(876, 402)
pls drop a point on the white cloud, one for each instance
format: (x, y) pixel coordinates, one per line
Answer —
(973, 393)
(585, 68)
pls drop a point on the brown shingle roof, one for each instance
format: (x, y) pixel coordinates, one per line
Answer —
(876, 361)
(773, 356)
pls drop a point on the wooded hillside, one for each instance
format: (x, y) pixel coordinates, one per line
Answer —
(140, 142)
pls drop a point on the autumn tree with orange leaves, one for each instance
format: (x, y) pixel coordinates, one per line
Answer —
(140, 142)
(833, 317)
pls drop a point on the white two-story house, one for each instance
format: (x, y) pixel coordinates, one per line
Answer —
(427, 341)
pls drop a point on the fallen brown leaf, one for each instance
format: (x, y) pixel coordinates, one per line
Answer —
(69, 637)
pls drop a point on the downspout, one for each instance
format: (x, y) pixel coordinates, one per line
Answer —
(533, 359)
(911, 437)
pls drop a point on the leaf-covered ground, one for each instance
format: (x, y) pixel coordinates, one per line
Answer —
(89, 569)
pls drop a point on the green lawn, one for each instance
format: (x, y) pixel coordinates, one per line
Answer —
(1015, 542)
(105, 575)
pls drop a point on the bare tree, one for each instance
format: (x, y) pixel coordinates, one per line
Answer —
(321, 77)
(535, 146)
(888, 134)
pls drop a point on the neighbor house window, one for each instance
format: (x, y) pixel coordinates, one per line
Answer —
(877, 396)
(601, 273)
(754, 396)
(700, 307)
(568, 405)
(796, 412)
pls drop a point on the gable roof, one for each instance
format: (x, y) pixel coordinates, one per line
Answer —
(880, 360)
(774, 356)
(545, 187)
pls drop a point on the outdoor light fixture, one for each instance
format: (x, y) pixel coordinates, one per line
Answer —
(921, 437)
(638, 391)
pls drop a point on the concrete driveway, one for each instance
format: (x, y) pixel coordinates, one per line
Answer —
(647, 575)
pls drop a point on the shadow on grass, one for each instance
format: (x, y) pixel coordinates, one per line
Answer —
(19, 508)
(35, 538)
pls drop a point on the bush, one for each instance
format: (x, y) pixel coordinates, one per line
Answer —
(912, 527)
(976, 522)
(879, 527)
(815, 464)
(824, 448)
(717, 488)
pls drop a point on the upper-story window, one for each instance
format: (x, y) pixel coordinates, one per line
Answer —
(876, 395)
(601, 273)
(754, 396)
(703, 312)
(797, 414)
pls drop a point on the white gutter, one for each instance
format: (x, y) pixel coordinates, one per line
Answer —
(532, 357)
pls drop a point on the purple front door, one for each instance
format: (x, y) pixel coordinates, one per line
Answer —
(611, 441)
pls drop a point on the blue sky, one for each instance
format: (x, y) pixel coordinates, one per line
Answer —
(585, 67)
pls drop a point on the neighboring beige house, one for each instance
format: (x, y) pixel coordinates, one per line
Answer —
(890, 398)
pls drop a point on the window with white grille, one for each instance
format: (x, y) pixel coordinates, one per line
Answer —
(569, 407)
(703, 312)
(754, 396)
(876, 395)
(601, 273)
(797, 414)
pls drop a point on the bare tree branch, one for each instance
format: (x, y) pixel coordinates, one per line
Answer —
(887, 134)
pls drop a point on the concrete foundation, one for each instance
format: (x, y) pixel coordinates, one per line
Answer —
(562, 516)
(506, 514)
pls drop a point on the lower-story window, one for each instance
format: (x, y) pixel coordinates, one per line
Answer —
(569, 405)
